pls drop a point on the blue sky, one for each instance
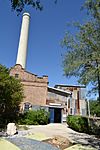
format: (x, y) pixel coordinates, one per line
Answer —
(47, 29)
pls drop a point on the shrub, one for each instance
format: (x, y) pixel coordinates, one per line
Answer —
(95, 126)
(78, 123)
(95, 107)
(38, 117)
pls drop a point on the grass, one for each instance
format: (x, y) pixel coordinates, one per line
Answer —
(5, 145)
(37, 136)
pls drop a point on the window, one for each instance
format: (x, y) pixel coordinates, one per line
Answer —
(27, 106)
(16, 75)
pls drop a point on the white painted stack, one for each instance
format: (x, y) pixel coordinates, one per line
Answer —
(23, 42)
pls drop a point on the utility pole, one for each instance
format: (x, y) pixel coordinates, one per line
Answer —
(88, 108)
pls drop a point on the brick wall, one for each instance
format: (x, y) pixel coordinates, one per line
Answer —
(35, 88)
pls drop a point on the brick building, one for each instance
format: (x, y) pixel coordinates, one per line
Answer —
(60, 100)
(35, 88)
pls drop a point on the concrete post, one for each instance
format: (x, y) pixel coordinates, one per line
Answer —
(22, 49)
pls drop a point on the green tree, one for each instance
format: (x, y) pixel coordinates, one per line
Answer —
(82, 58)
(19, 5)
(11, 95)
(94, 108)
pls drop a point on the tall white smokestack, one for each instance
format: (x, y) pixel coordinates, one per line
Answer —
(22, 49)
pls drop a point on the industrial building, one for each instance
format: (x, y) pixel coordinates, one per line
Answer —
(60, 100)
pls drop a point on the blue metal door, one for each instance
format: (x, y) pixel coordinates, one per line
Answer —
(51, 115)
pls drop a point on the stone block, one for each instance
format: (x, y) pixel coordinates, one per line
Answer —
(11, 129)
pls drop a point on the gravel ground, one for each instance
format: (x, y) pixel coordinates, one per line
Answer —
(52, 130)
(29, 144)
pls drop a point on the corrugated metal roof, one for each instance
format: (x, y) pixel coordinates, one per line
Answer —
(60, 90)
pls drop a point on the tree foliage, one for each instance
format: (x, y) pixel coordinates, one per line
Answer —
(94, 108)
(82, 58)
(19, 5)
(11, 95)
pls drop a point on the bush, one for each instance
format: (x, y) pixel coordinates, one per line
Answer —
(38, 117)
(95, 126)
(78, 123)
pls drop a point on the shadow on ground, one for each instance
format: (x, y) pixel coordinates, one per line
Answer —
(92, 141)
(30, 144)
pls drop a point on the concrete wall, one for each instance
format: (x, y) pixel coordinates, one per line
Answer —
(83, 106)
(54, 97)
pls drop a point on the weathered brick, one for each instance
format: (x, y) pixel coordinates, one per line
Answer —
(35, 88)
